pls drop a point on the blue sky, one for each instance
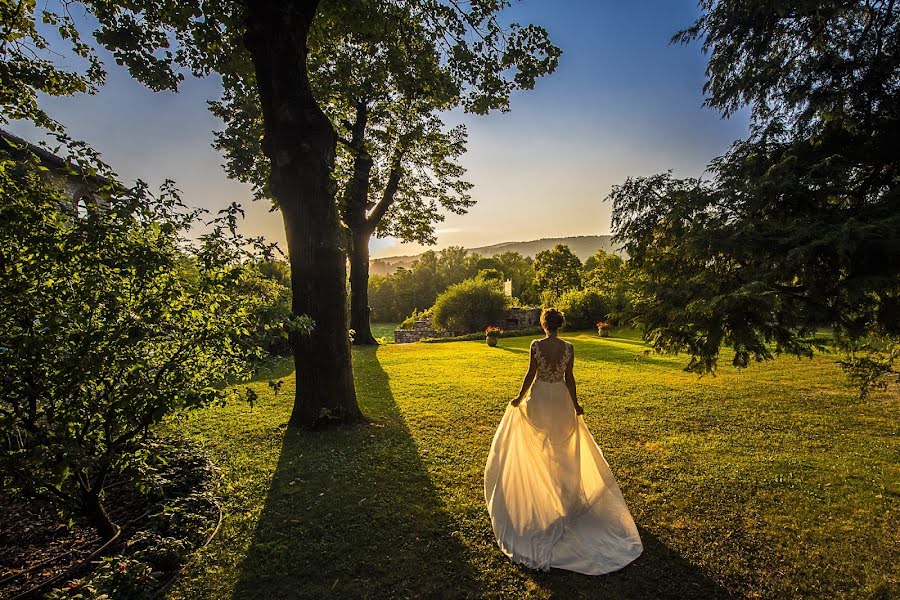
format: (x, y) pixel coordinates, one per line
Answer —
(623, 102)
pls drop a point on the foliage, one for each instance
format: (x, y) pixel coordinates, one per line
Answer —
(28, 66)
(463, 57)
(613, 278)
(384, 72)
(469, 306)
(722, 473)
(395, 296)
(269, 288)
(798, 226)
(557, 270)
(494, 276)
(520, 270)
(110, 321)
(492, 331)
(179, 519)
(582, 308)
(417, 315)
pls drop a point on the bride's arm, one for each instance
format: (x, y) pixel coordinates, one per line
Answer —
(529, 378)
(570, 382)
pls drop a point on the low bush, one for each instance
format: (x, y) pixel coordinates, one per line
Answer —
(583, 308)
(469, 306)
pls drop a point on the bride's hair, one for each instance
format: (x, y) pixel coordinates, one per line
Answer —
(552, 319)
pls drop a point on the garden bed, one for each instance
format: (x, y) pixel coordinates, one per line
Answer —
(159, 530)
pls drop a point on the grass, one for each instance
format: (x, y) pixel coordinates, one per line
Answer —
(384, 332)
(774, 481)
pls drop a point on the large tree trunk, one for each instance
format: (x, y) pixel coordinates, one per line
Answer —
(359, 287)
(300, 143)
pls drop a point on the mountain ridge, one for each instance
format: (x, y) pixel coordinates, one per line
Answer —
(582, 245)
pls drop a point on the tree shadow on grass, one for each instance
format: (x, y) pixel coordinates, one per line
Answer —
(352, 513)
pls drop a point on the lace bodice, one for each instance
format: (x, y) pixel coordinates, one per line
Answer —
(547, 371)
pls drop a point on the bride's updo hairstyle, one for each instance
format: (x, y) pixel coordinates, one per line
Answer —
(552, 319)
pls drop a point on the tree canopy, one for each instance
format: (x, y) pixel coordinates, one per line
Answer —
(557, 270)
(797, 226)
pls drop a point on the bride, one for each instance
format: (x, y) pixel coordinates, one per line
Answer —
(552, 498)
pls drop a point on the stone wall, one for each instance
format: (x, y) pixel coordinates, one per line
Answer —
(515, 318)
(421, 329)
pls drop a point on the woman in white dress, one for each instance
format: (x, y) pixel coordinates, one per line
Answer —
(552, 498)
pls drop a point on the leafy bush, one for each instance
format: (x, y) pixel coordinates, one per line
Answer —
(109, 321)
(410, 321)
(583, 308)
(469, 306)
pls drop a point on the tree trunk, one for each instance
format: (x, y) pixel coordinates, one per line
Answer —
(356, 198)
(300, 143)
(359, 288)
(94, 510)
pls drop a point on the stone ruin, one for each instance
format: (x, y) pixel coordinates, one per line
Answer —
(515, 318)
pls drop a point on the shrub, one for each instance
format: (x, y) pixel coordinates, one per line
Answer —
(583, 308)
(469, 306)
(109, 321)
(410, 321)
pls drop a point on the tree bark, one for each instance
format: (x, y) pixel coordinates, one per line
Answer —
(356, 199)
(300, 144)
(362, 227)
(95, 511)
(360, 321)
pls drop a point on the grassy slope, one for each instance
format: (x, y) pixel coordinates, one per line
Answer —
(773, 481)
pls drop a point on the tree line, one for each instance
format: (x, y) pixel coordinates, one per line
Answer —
(553, 277)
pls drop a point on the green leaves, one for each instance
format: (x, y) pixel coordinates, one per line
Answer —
(110, 321)
(557, 270)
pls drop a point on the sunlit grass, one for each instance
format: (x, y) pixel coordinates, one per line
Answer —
(774, 481)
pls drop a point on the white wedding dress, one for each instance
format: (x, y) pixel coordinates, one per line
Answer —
(552, 499)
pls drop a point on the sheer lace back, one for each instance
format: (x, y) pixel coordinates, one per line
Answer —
(551, 371)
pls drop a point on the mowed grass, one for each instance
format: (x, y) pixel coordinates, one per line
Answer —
(774, 481)
(384, 332)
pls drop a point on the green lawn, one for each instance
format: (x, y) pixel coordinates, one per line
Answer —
(384, 332)
(770, 482)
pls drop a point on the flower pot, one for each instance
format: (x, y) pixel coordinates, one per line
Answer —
(603, 332)
(491, 340)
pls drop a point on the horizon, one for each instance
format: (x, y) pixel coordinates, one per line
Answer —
(483, 246)
(588, 126)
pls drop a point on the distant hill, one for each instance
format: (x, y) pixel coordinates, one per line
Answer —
(582, 245)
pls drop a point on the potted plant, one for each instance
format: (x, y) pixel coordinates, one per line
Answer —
(491, 334)
(603, 328)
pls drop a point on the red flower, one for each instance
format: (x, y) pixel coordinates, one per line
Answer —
(491, 330)
(72, 585)
(121, 568)
(603, 324)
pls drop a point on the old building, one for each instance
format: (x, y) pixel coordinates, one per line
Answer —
(79, 187)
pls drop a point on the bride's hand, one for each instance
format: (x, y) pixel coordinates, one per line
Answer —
(579, 410)
(515, 401)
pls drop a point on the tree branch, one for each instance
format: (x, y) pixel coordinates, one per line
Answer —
(390, 190)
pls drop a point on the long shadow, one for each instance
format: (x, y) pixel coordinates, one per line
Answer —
(659, 572)
(353, 513)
